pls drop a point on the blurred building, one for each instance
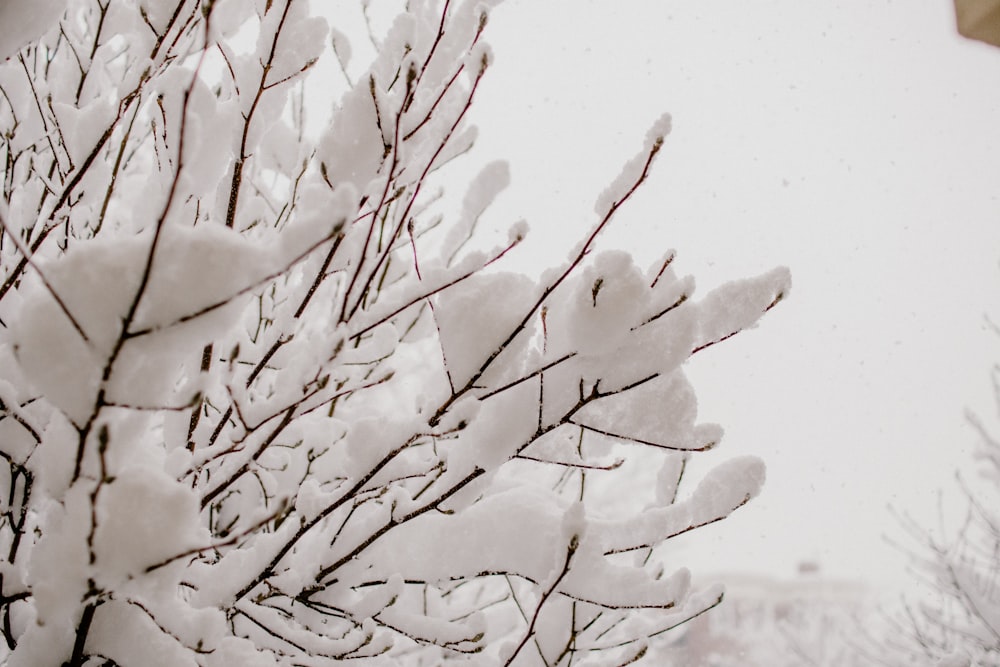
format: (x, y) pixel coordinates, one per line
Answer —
(770, 622)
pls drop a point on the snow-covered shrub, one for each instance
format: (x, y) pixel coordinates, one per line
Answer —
(261, 403)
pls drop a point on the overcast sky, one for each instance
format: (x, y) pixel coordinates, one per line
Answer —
(855, 142)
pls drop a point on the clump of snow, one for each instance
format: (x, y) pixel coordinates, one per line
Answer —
(720, 492)
(477, 315)
(493, 531)
(126, 634)
(341, 45)
(606, 300)
(228, 16)
(156, 13)
(52, 459)
(370, 440)
(738, 304)
(217, 583)
(144, 517)
(502, 425)
(351, 150)
(324, 215)
(488, 183)
(212, 139)
(726, 487)
(300, 43)
(193, 270)
(57, 574)
(661, 411)
(83, 127)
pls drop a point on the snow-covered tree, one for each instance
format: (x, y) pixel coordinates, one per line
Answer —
(956, 621)
(262, 400)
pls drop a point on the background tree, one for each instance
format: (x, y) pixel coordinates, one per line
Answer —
(263, 402)
(956, 620)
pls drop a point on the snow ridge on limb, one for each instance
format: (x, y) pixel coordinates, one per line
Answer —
(264, 404)
(635, 170)
(738, 305)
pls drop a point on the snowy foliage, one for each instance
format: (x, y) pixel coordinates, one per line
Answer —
(261, 403)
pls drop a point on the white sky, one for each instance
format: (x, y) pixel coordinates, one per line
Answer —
(857, 143)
